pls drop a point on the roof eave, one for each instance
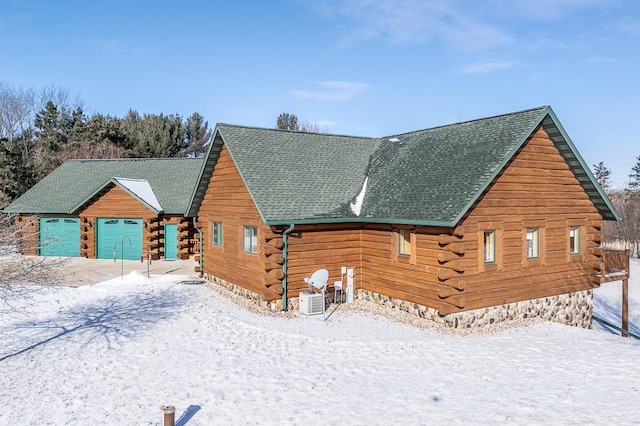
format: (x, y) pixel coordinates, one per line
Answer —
(192, 208)
(242, 176)
(35, 211)
(585, 168)
(314, 221)
(546, 112)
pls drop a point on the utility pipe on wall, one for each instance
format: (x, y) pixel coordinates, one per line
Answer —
(201, 253)
(285, 234)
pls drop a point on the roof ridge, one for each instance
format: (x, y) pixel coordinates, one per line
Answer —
(77, 160)
(239, 126)
(468, 121)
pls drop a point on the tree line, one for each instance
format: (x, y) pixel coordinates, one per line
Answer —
(626, 233)
(41, 129)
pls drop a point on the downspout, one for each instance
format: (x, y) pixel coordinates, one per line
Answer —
(201, 253)
(285, 234)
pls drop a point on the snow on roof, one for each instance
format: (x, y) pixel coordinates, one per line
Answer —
(141, 189)
(356, 206)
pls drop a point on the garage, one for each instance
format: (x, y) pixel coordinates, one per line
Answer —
(59, 236)
(112, 234)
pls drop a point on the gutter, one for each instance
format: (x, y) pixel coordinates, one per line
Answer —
(285, 234)
(201, 253)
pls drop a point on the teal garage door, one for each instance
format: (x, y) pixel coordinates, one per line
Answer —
(171, 241)
(59, 236)
(114, 234)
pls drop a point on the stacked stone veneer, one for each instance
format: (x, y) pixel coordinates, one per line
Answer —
(273, 306)
(572, 309)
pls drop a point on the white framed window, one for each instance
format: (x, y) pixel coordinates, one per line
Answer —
(489, 245)
(533, 243)
(404, 242)
(216, 234)
(574, 240)
(250, 239)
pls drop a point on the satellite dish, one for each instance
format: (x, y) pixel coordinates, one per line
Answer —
(318, 279)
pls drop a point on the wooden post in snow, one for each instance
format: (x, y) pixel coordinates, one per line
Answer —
(625, 295)
(169, 415)
(625, 307)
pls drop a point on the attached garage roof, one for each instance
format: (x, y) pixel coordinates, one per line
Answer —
(66, 189)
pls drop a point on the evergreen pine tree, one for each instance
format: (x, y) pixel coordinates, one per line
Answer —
(602, 175)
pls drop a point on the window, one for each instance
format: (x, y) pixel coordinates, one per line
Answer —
(533, 243)
(574, 240)
(404, 242)
(216, 233)
(250, 239)
(490, 246)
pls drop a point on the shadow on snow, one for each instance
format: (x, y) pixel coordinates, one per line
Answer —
(612, 312)
(111, 319)
(186, 416)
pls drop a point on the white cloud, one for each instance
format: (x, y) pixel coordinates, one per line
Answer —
(549, 10)
(470, 25)
(487, 67)
(415, 21)
(335, 91)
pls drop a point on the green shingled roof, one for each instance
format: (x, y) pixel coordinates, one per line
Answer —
(297, 175)
(67, 187)
(435, 174)
(428, 177)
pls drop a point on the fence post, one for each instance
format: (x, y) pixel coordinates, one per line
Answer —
(169, 415)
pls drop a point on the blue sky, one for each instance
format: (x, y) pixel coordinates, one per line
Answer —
(360, 67)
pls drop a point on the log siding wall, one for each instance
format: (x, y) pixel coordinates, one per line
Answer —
(312, 247)
(536, 190)
(445, 269)
(228, 202)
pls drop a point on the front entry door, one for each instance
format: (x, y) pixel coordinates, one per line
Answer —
(170, 241)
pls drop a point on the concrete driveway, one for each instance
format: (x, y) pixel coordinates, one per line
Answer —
(80, 271)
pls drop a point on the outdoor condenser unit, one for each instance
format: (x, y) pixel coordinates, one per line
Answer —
(310, 302)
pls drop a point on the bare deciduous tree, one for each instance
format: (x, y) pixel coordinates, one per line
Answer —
(18, 272)
(312, 127)
(286, 121)
(16, 111)
(61, 97)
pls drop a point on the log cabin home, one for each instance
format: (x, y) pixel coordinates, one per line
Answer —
(466, 224)
(127, 208)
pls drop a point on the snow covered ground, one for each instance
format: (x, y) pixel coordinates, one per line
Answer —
(114, 352)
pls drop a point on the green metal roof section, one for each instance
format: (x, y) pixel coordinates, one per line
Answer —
(73, 183)
(295, 176)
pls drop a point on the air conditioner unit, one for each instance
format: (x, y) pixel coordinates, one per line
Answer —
(310, 302)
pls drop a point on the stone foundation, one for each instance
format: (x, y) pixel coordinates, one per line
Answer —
(573, 309)
(273, 306)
